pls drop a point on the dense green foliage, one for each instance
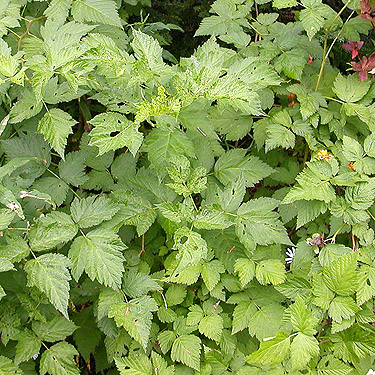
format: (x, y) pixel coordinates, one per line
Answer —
(209, 214)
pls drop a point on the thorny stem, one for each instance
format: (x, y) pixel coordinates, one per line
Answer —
(325, 53)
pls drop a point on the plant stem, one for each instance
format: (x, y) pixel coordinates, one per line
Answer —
(325, 53)
(27, 31)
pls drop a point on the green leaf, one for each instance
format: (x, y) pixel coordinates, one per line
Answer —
(162, 145)
(55, 126)
(107, 298)
(211, 326)
(71, 169)
(302, 349)
(301, 318)
(342, 308)
(16, 249)
(12, 165)
(31, 146)
(170, 211)
(113, 131)
(27, 346)
(8, 63)
(354, 27)
(312, 18)
(137, 284)
(99, 254)
(309, 210)
(58, 10)
(6, 217)
(59, 360)
(185, 180)
(210, 272)
(331, 252)
(166, 339)
(279, 136)
(186, 349)
(51, 230)
(8, 199)
(7, 367)
(234, 125)
(257, 223)
(245, 269)
(350, 89)
(366, 284)
(209, 218)
(341, 276)
(323, 295)
(352, 149)
(192, 248)
(87, 336)
(135, 210)
(242, 315)
(284, 3)
(175, 295)
(270, 271)
(54, 330)
(234, 163)
(353, 343)
(135, 316)
(50, 275)
(231, 197)
(161, 365)
(311, 186)
(26, 107)
(292, 63)
(195, 315)
(53, 187)
(265, 323)
(361, 196)
(97, 11)
(148, 50)
(369, 145)
(329, 365)
(137, 365)
(91, 211)
(271, 351)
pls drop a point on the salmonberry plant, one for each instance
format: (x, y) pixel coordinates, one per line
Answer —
(210, 214)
